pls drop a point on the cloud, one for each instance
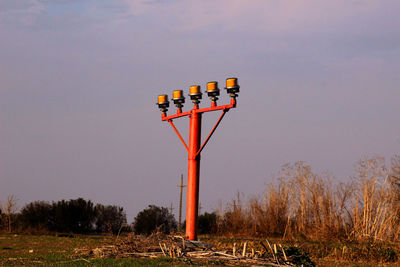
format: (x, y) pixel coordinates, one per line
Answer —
(265, 16)
(23, 12)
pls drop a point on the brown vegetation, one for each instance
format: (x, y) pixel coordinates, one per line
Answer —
(8, 208)
(304, 204)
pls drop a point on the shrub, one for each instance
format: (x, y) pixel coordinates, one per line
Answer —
(154, 219)
(207, 223)
(109, 219)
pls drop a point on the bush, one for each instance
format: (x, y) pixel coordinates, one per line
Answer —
(154, 219)
(207, 223)
(109, 219)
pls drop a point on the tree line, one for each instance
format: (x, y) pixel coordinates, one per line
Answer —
(78, 216)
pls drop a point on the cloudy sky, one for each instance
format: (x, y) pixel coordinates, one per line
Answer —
(320, 82)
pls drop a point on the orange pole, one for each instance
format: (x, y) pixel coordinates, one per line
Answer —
(194, 148)
(193, 176)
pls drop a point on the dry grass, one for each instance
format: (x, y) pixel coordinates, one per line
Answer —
(305, 204)
(375, 207)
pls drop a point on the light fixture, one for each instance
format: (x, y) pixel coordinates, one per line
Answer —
(232, 87)
(195, 94)
(178, 98)
(213, 91)
(163, 103)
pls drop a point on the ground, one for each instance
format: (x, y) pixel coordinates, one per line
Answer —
(65, 250)
(33, 250)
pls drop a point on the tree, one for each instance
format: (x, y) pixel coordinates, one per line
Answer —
(37, 215)
(109, 219)
(154, 219)
(75, 216)
(8, 208)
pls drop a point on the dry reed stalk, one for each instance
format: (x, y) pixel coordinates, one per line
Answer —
(162, 250)
(376, 196)
(244, 249)
(283, 251)
(308, 204)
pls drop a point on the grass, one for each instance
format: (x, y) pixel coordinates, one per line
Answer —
(45, 250)
(303, 203)
(34, 250)
(31, 250)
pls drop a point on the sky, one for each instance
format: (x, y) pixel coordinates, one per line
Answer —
(79, 80)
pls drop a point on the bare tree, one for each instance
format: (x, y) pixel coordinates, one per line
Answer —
(8, 208)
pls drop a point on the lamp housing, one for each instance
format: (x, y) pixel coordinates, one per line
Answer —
(213, 90)
(195, 94)
(232, 87)
(163, 103)
(178, 98)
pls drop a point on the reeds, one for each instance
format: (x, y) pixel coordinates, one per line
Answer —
(304, 204)
(375, 207)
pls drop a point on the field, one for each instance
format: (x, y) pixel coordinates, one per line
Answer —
(34, 250)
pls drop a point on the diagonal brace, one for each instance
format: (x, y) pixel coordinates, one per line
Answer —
(212, 131)
(179, 135)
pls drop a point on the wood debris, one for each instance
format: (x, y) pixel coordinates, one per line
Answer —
(177, 247)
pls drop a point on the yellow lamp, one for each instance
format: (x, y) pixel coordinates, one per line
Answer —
(213, 90)
(177, 94)
(232, 86)
(212, 87)
(163, 102)
(195, 90)
(195, 93)
(178, 98)
(162, 99)
(231, 82)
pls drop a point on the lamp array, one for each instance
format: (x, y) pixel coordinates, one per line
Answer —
(195, 94)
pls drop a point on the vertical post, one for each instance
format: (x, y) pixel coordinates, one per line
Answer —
(180, 204)
(193, 176)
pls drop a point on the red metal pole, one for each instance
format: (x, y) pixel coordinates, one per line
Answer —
(193, 176)
(194, 148)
